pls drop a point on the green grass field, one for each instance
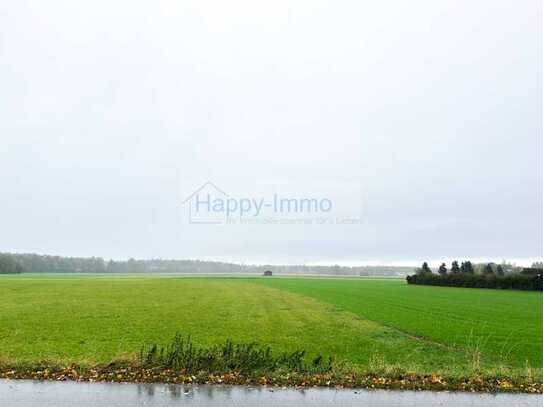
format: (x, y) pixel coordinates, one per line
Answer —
(367, 323)
(504, 325)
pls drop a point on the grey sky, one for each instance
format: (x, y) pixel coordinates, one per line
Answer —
(423, 118)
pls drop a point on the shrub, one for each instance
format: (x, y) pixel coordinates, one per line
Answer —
(514, 281)
(250, 358)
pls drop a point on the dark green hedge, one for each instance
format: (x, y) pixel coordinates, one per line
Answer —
(511, 281)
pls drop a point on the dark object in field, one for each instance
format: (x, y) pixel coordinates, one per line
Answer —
(249, 358)
(268, 273)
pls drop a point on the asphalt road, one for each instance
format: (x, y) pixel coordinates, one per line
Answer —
(24, 393)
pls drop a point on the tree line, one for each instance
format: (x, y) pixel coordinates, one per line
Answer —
(8, 265)
(489, 275)
(37, 263)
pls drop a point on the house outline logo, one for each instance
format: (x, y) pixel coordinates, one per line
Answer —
(190, 200)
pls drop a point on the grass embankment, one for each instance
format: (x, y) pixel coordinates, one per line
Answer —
(378, 333)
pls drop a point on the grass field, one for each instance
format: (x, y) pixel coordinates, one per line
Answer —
(504, 325)
(366, 323)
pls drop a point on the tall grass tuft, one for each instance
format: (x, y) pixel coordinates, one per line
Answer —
(182, 354)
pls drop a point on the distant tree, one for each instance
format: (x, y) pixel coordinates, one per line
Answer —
(455, 268)
(499, 270)
(488, 269)
(442, 269)
(426, 269)
(8, 265)
(467, 268)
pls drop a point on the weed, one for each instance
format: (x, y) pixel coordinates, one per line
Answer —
(183, 354)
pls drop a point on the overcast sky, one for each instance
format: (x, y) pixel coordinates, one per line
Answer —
(422, 119)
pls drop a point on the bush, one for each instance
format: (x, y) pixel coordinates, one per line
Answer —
(515, 281)
(182, 354)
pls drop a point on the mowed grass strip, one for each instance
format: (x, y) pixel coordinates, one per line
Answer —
(504, 325)
(86, 321)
